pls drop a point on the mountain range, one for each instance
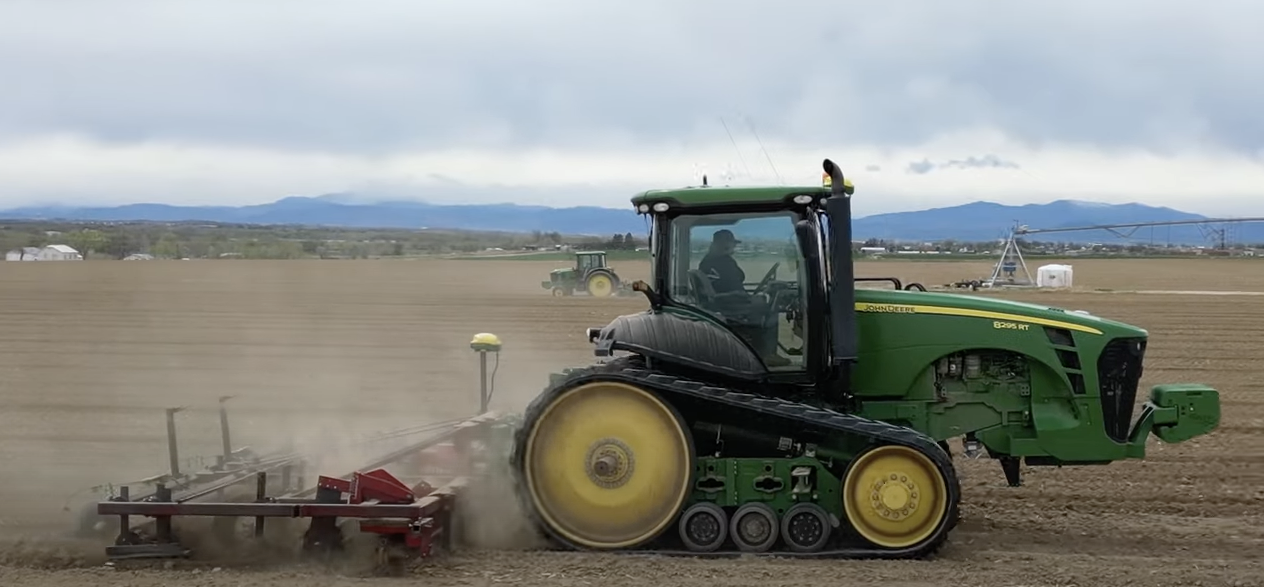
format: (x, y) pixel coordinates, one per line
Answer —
(977, 221)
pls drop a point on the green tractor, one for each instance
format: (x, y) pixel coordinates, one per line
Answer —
(800, 415)
(590, 273)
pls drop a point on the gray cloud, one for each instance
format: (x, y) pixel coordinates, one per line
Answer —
(389, 75)
(920, 167)
(985, 162)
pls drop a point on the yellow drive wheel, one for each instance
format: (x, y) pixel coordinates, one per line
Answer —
(600, 285)
(895, 497)
(607, 465)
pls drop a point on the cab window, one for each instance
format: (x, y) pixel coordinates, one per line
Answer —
(744, 270)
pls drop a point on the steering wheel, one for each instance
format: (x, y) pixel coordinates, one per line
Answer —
(763, 283)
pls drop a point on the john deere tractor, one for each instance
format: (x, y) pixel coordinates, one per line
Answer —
(799, 414)
(590, 273)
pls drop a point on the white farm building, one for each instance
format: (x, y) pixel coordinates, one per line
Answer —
(49, 253)
(60, 253)
(23, 254)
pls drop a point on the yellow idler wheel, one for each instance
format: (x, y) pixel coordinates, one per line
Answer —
(895, 497)
(608, 465)
(600, 285)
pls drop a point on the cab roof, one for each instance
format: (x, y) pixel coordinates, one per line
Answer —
(703, 196)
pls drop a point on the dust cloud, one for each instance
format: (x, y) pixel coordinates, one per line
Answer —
(317, 359)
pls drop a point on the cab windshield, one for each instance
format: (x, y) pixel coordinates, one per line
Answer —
(744, 270)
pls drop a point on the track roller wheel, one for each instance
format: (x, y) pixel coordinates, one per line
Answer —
(754, 527)
(600, 285)
(606, 465)
(895, 497)
(806, 527)
(704, 527)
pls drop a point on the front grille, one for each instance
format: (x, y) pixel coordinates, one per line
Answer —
(1118, 374)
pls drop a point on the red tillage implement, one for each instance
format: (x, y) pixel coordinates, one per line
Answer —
(409, 518)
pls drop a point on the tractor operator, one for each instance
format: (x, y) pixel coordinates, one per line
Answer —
(719, 266)
(728, 282)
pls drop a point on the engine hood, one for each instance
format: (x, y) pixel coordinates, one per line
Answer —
(991, 308)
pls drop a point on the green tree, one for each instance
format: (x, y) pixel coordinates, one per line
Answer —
(167, 247)
(119, 245)
(87, 241)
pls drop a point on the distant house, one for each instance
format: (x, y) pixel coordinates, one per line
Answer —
(59, 253)
(23, 254)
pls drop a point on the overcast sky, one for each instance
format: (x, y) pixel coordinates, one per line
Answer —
(562, 102)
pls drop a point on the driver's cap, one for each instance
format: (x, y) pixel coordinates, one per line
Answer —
(724, 235)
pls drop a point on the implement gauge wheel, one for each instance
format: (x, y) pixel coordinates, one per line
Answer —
(895, 497)
(601, 284)
(606, 465)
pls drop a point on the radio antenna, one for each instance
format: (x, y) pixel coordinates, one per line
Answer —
(735, 148)
(775, 173)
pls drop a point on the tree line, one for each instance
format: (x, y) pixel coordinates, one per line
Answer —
(100, 240)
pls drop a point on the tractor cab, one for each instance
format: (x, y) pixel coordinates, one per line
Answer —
(751, 270)
(742, 269)
(586, 261)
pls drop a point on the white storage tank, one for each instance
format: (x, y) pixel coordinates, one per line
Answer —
(1053, 276)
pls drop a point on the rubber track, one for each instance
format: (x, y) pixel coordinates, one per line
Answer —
(801, 415)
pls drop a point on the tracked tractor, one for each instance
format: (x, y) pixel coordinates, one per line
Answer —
(800, 414)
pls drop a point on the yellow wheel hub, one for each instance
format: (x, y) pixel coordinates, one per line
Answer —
(607, 465)
(600, 286)
(895, 497)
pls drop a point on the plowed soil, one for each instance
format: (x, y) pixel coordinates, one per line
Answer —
(91, 353)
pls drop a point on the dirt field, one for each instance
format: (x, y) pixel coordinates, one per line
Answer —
(92, 352)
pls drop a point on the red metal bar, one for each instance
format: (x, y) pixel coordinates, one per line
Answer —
(421, 508)
(361, 510)
(159, 508)
(419, 536)
(378, 485)
(342, 485)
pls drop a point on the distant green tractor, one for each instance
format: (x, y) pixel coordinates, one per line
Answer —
(590, 273)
